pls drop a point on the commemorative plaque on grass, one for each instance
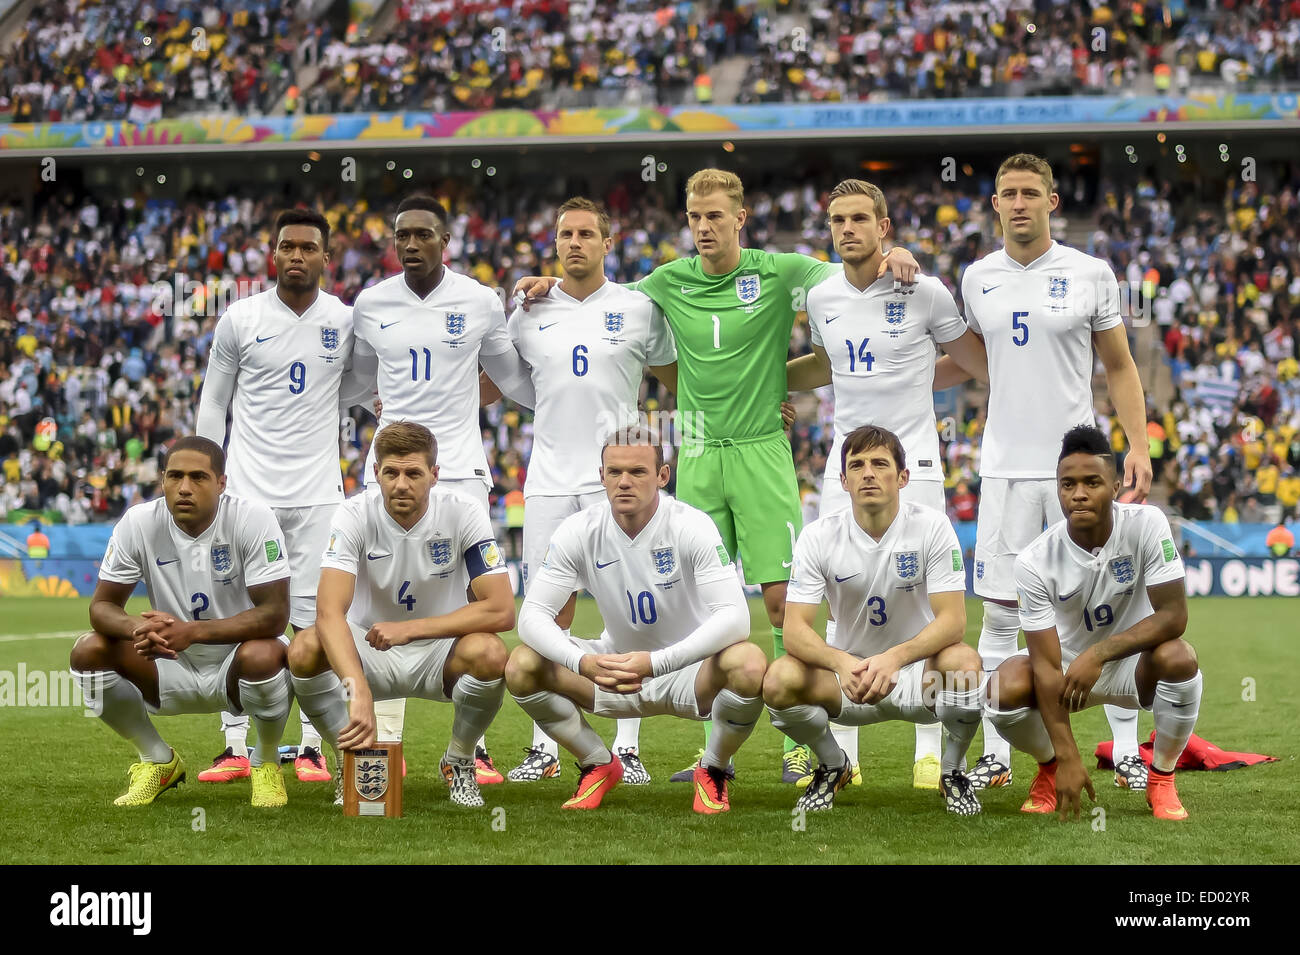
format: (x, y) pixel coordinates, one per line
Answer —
(372, 781)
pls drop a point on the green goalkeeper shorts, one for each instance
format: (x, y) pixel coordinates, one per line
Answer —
(748, 487)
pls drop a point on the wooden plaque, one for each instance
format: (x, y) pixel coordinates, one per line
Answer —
(372, 781)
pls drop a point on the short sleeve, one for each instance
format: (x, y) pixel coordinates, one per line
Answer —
(1106, 314)
(261, 545)
(478, 545)
(966, 287)
(347, 537)
(497, 340)
(944, 571)
(807, 576)
(123, 561)
(798, 271)
(946, 323)
(708, 556)
(1160, 560)
(814, 321)
(661, 348)
(563, 564)
(1032, 597)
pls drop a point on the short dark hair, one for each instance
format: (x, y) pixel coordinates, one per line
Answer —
(424, 202)
(870, 436)
(582, 204)
(216, 457)
(406, 437)
(304, 217)
(1086, 439)
(635, 434)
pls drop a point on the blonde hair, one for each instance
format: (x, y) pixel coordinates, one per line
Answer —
(1027, 162)
(405, 437)
(717, 180)
(857, 187)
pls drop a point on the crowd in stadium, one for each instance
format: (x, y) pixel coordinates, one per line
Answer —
(90, 336)
(83, 62)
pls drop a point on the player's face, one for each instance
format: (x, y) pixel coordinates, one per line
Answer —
(405, 481)
(855, 230)
(191, 487)
(419, 239)
(579, 244)
(872, 478)
(1087, 485)
(300, 258)
(1023, 202)
(715, 223)
(631, 480)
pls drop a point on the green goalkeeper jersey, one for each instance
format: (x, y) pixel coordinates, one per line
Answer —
(733, 337)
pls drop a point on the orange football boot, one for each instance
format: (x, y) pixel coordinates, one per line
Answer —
(1162, 796)
(710, 790)
(594, 782)
(1042, 791)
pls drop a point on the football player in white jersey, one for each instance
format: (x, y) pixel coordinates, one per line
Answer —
(587, 343)
(279, 365)
(392, 617)
(217, 574)
(1041, 308)
(423, 335)
(892, 574)
(876, 347)
(1104, 607)
(676, 627)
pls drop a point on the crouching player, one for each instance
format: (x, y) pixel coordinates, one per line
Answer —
(893, 577)
(1103, 607)
(217, 578)
(676, 622)
(392, 619)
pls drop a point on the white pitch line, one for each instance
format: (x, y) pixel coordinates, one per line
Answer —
(56, 635)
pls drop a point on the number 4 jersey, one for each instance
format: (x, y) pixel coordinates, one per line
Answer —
(879, 591)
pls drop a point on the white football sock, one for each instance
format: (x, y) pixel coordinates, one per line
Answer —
(1123, 730)
(543, 742)
(734, 717)
(929, 739)
(959, 715)
(235, 729)
(560, 717)
(1026, 731)
(475, 703)
(628, 733)
(120, 704)
(998, 638)
(809, 724)
(321, 697)
(1175, 708)
(846, 738)
(309, 735)
(268, 703)
(390, 715)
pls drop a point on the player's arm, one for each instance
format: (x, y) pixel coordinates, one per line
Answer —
(491, 611)
(488, 392)
(360, 378)
(511, 376)
(1124, 386)
(807, 646)
(808, 371)
(878, 674)
(667, 374)
(333, 598)
(108, 614)
(1049, 685)
(963, 358)
(163, 635)
(218, 382)
(727, 623)
(546, 597)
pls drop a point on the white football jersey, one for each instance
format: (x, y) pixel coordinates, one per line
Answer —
(1037, 322)
(882, 350)
(404, 575)
(878, 591)
(647, 589)
(587, 359)
(286, 369)
(428, 351)
(1087, 596)
(198, 578)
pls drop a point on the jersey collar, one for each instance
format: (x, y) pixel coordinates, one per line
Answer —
(443, 283)
(564, 296)
(886, 539)
(1037, 263)
(649, 529)
(1085, 557)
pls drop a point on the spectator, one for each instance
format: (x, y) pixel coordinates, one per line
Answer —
(1280, 541)
(38, 545)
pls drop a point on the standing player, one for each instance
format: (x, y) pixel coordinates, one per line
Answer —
(676, 621)
(392, 618)
(1104, 607)
(277, 365)
(1040, 309)
(218, 582)
(587, 343)
(877, 348)
(731, 311)
(423, 334)
(892, 574)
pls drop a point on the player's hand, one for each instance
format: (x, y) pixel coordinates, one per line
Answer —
(179, 635)
(385, 636)
(787, 415)
(1080, 678)
(152, 646)
(530, 288)
(1071, 777)
(850, 684)
(610, 671)
(1137, 478)
(903, 264)
(153, 622)
(877, 676)
(360, 731)
(379, 408)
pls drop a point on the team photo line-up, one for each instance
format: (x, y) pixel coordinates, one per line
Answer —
(401, 590)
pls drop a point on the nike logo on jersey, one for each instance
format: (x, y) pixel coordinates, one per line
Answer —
(688, 291)
(382, 326)
(377, 556)
(1068, 596)
(542, 328)
(830, 319)
(260, 339)
(989, 288)
(840, 580)
(163, 563)
(600, 566)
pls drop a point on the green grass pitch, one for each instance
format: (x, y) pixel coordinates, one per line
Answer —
(64, 769)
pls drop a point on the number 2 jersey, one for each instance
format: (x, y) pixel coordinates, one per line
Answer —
(878, 591)
(1087, 596)
(406, 575)
(198, 578)
(1037, 322)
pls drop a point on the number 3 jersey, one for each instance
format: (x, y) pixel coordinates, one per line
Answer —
(1088, 596)
(405, 575)
(878, 591)
(198, 578)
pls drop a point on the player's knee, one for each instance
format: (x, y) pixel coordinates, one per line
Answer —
(260, 659)
(304, 655)
(782, 682)
(91, 652)
(746, 668)
(961, 665)
(485, 656)
(1011, 685)
(523, 670)
(1175, 660)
